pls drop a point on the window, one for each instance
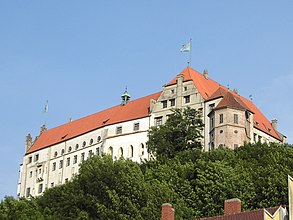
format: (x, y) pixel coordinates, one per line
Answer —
(31, 174)
(212, 106)
(91, 141)
(164, 104)
(40, 189)
(130, 151)
(90, 153)
(119, 130)
(187, 99)
(75, 159)
(36, 157)
(68, 162)
(84, 144)
(172, 91)
(141, 150)
(52, 184)
(61, 164)
(221, 118)
(221, 131)
(159, 121)
(97, 151)
(76, 147)
(69, 149)
(62, 151)
(66, 180)
(235, 119)
(82, 157)
(235, 131)
(120, 152)
(212, 123)
(40, 170)
(136, 126)
(54, 166)
(172, 102)
(30, 159)
(99, 138)
(28, 192)
(185, 88)
(55, 154)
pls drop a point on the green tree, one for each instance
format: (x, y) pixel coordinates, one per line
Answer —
(182, 131)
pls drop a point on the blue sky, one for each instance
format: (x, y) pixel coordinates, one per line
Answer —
(80, 55)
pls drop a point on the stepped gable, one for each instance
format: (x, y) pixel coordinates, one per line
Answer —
(205, 86)
(135, 109)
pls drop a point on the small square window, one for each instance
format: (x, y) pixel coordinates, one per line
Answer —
(164, 103)
(187, 99)
(119, 130)
(172, 102)
(158, 121)
(136, 126)
(185, 88)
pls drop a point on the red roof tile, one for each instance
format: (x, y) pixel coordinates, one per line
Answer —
(231, 100)
(135, 109)
(205, 86)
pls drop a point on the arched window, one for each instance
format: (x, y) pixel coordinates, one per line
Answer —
(83, 144)
(99, 138)
(91, 141)
(55, 154)
(110, 151)
(130, 151)
(69, 149)
(120, 152)
(62, 151)
(76, 147)
(141, 150)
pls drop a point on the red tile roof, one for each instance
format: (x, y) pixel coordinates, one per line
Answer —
(249, 215)
(231, 100)
(135, 109)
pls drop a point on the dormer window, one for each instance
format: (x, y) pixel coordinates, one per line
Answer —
(136, 126)
(119, 130)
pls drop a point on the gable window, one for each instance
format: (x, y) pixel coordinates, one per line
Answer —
(235, 119)
(28, 192)
(136, 126)
(221, 119)
(75, 159)
(187, 99)
(119, 130)
(68, 161)
(54, 166)
(40, 188)
(158, 121)
(172, 102)
(36, 157)
(164, 103)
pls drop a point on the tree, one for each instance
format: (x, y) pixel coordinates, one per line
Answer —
(182, 131)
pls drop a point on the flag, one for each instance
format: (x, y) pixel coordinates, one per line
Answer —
(185, 47)
(46, 107)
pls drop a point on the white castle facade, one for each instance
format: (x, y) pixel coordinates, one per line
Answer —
(121, 131)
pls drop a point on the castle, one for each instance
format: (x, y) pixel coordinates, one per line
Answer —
(229, 120)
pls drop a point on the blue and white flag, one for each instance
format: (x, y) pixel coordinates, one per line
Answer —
(185, 47)
(46, 109)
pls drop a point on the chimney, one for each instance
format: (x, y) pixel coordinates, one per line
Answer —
(275, 124)
(205, 74)
(168, 212)
(232, 206)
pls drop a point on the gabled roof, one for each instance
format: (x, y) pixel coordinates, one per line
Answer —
(249, 215)
(209, 90)
(135, 109)
(205, 86)
(231, 100)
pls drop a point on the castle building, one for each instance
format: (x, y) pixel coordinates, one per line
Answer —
(53, 158)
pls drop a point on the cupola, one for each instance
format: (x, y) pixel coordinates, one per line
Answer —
(125, 97)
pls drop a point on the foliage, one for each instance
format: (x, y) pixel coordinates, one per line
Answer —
(182, 131)
(196, 183)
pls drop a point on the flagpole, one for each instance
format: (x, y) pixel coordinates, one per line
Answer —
(190, 52)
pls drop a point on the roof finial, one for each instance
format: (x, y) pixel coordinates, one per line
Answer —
(205, 73)
(125, 97)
